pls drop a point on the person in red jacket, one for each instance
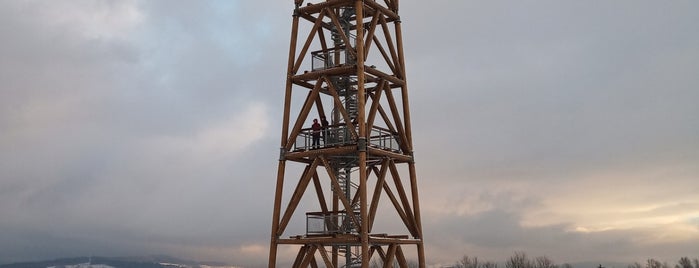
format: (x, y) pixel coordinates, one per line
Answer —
(315, 133)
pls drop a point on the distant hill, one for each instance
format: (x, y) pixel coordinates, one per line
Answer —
(158, 261)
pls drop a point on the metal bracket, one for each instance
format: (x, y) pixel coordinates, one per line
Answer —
(282, 154)
(361, 144)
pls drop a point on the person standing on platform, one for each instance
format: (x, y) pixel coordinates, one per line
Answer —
(324, 126)
(315, 133)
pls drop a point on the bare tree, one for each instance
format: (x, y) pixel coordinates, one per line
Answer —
(489, 264)
(519, 260)
(635, 265)
(543, 262)
(467, 262)
(653, 263)
(684, 263)
(696, 263)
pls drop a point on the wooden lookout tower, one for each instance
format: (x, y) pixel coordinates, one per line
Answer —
(355, 168)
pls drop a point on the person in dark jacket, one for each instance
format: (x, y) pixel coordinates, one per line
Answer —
(315, 133)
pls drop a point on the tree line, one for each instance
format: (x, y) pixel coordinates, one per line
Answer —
(521, 260)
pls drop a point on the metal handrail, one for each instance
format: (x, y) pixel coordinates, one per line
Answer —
(326, 223)
(339, 135)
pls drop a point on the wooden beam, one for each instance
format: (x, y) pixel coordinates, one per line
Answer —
(416, 199)
(303, 155)
(306, 45)
(303, 114)
(375, 104)
(325, 240)
(381, 179)
(309, 257)
(391, 5)
(299, 257)
(315, 75)
(321, 37)
(397, 157)
(391, 48)
(385, 117)
(380, 74)
(390, 255)
(319, 193)
(343, 199)
(343, 35)
(404, 199)
(276, 214)
(289, 81)
(397, 120)
(396, 204)
(317, 7)
(361, 93)
(385, 55)
(341, 108)
(389, 13)
(319, 107)
(296, 196)
(370, 35)
(401, 257)
(404, 90)
(324, 255)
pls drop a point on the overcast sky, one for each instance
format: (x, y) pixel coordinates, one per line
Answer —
(561, 128)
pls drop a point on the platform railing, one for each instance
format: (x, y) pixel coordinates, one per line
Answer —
(339, 135)
(319, 223)
(384, 139)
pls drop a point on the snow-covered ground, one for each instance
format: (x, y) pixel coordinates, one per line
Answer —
(83, 265)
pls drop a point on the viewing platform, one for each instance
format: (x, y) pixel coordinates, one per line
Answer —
(341, 135)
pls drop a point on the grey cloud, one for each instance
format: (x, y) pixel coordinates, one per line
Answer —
(96, 153)
(496, 234)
